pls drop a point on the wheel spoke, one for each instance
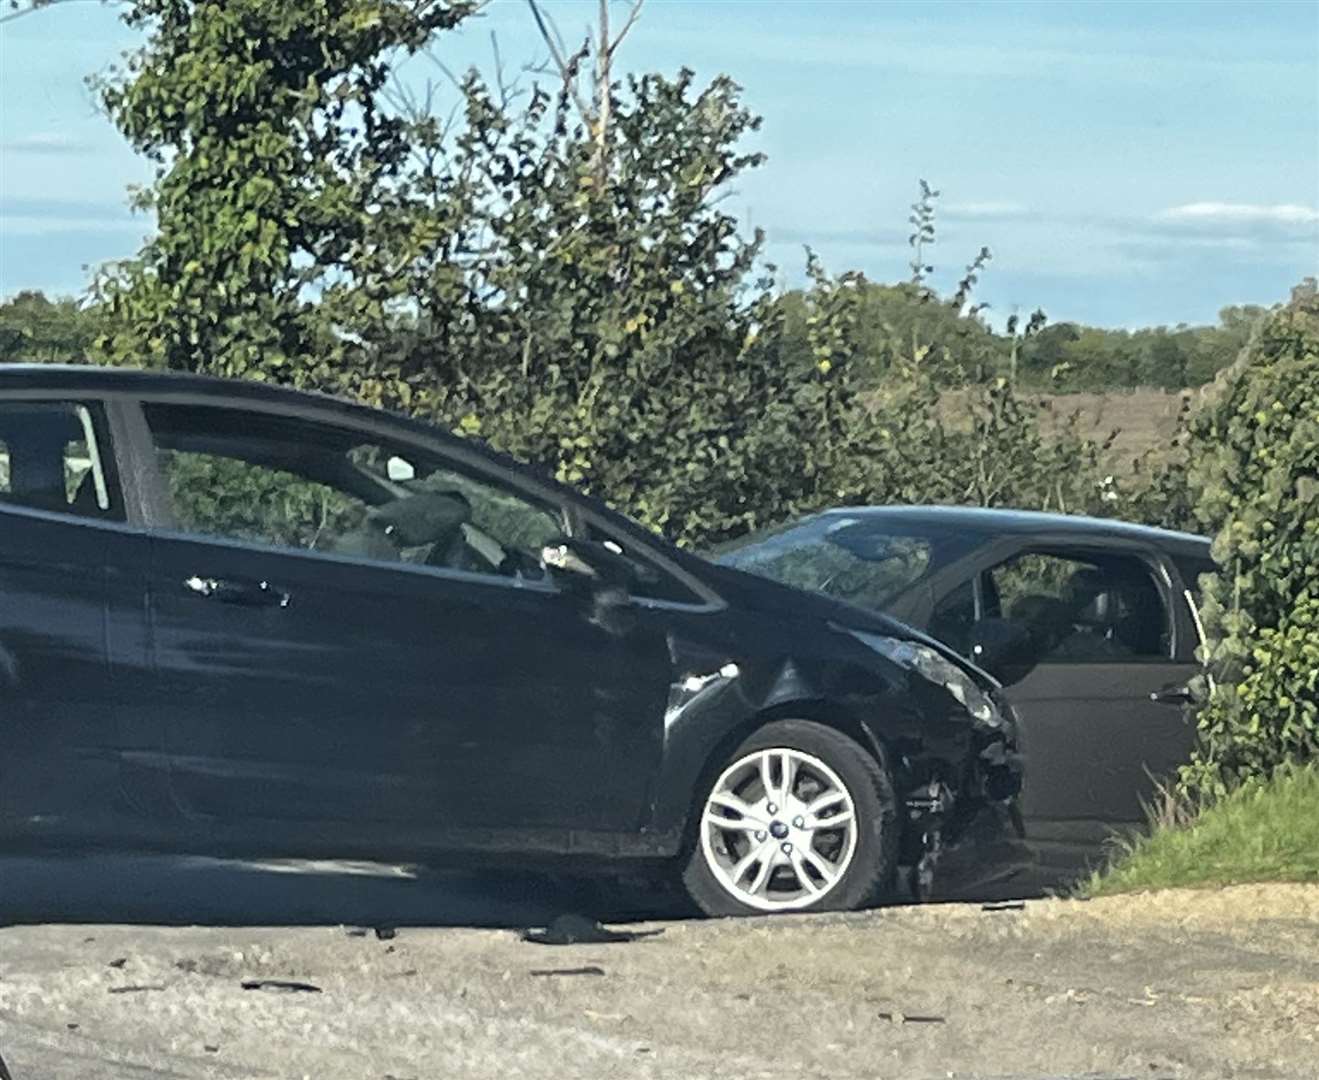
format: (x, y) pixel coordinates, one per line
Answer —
(734, 824)
(826, 871)
(799, 868)
(830, 797)
(766, 867)
(788, 768)
(766, 776)
(836, 821)
(726, 800)
(746, 862)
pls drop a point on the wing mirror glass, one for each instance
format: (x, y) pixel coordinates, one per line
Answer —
(588, 565)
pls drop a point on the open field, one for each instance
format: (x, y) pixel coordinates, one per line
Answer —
(1179, 985)
(1146, 419)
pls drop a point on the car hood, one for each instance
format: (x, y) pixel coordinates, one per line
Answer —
(776, 600)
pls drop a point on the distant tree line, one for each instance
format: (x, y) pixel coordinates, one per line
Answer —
(1060, 357)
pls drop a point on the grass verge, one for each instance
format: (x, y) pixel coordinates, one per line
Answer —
(1264, 832)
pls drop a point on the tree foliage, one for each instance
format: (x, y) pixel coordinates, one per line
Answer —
(273, 154)
(1257, 470)
(35, 329)
(1070, 356)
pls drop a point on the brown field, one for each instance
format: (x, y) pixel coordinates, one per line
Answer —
(1144, 419)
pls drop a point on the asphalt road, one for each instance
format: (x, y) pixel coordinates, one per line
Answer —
(288, 978)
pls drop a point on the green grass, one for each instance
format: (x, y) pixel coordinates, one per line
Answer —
(1264, 832)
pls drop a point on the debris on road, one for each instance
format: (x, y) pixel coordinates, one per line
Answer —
(580, 930)
(589, 969)
(287, 986)
(903, 1018)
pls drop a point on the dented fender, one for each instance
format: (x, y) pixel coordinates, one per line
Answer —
(719, 696)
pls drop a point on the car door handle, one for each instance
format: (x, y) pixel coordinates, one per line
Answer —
(1180, 694)
(243, 593)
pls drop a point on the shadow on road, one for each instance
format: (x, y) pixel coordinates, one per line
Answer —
(174, 891)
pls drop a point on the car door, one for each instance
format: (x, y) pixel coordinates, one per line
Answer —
(323, 660)
(1099, 703)
(72, 630)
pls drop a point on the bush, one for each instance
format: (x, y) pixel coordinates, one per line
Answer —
(1256, 466)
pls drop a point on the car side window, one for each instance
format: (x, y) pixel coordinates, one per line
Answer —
(1083, 609)
(290, 483)
(954, 617)
(1073, 608)
(55, 456)
(651, 582)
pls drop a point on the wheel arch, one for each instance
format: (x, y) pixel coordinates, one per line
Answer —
(817, 710)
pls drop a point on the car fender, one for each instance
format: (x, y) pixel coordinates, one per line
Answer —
(715, 702)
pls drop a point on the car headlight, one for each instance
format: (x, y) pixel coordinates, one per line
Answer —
(938, 669)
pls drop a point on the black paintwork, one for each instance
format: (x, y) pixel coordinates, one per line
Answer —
(1093, 738)
(298, 702)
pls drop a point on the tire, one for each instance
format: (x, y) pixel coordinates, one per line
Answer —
(739, 828)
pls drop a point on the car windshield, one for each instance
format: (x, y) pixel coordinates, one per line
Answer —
(863, 559)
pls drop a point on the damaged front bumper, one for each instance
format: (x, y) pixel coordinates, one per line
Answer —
(958, 844)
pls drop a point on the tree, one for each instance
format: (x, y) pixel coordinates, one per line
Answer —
(550, 269)
(611, 326)
(36, 329)
(264, 118)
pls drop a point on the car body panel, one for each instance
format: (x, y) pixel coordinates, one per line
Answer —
(475, 695)
(60, 767)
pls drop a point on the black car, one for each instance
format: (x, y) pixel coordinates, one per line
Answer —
(1090, 624)
(242, 620)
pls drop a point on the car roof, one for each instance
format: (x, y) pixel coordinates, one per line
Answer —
(1000, 522)
(201, 388)
(130, 379)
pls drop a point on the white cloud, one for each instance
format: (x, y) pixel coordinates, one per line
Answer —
(16, 224)
(1210, 213)
(45, 142)
(986, 211)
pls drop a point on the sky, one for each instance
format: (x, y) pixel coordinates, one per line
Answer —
(1127, 163)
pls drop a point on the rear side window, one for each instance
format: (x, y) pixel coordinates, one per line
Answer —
(55, 456)
(1084, 609)
(1074, 608)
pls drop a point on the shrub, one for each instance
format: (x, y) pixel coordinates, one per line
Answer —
(1256, 466)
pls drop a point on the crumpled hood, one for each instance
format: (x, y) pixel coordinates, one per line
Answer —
(772, 598)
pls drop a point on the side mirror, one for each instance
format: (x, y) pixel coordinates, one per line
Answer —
(588, 566)
(1003, 648)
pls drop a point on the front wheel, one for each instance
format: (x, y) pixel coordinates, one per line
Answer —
(800, 818)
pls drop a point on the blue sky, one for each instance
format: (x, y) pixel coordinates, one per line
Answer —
(1127, 163)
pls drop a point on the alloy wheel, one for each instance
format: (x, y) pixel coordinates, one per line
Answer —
(779, 829)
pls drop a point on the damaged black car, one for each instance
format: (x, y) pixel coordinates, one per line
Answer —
(1091, 625)
(240, 620)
